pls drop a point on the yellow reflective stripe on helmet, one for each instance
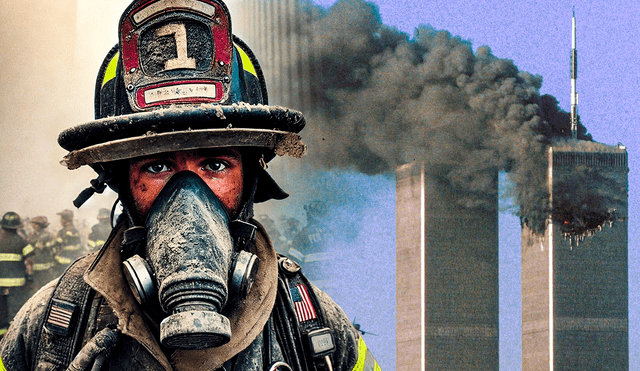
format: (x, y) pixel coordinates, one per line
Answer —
(12, 282)
(27, 250)
(6, 257)
(366, 362)
(1, 363)
(246, 61)
(110, 72)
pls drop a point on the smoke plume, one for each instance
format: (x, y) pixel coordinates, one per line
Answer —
(381, 99)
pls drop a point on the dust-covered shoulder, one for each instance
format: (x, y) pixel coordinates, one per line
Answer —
(19, 344)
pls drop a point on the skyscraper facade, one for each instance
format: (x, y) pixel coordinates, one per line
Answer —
(446, 276)
(273, 29)
(574, 275)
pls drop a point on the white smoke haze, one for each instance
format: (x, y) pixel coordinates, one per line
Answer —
(50, 54)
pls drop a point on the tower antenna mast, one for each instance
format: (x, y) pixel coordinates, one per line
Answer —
(574, 77)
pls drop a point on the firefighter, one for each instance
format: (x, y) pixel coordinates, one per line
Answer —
(13, 270)
(100, 231)
(68, 244)
(188, 279)
(291, 230)
(311, 242)
(42, 242)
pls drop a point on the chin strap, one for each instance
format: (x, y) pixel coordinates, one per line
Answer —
(246, 212)
(98, 185)
(134, 238)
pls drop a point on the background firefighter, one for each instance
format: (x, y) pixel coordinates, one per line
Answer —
(67, 246)
(187, 280)
(14, 251)
(100, 231)
(42, 241)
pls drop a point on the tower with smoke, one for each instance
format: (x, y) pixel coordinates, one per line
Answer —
(574, 275)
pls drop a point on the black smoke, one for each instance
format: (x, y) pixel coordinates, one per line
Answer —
(381, 99)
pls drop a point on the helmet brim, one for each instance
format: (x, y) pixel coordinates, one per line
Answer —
(282, 143)
(184, 128)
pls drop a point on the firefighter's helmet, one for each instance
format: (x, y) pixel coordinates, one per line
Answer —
(11, 220)
(177, 80)
(104, 213)
(66, 215)
(316, 209)
(41, 220)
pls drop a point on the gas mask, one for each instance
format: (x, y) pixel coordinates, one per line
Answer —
(190, 264)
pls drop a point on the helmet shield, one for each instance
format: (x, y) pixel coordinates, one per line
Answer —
(176, 51)
(179, 80)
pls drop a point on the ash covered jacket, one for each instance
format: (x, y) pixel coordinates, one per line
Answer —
(13, 251)
(257, 323)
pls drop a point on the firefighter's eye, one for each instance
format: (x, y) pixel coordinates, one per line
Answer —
(157, 167)
(215, 165)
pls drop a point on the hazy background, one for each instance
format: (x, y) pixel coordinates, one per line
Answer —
(50, 53)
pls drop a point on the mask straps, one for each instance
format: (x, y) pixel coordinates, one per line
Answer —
(246, 212)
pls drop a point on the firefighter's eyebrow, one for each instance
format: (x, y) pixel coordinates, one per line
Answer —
(215, 152)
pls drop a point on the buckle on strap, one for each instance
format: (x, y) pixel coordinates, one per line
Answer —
(321, 342)
(280, 366)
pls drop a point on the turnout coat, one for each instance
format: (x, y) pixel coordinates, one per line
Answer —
(61, 320)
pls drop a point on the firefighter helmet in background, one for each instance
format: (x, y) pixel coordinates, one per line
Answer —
(41, 220)
(66, 215)
(316, 209)
(11, 220)
(179, 80)
(104, 213)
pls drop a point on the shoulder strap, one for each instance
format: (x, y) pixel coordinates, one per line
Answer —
(66, 315)
(315, 339)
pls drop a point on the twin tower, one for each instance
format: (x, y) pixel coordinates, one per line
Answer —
(574, 275)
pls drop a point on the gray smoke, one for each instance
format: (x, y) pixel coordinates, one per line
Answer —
(381, 99)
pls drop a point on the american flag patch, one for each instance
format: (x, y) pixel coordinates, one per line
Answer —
(60, 317)
(302, 303)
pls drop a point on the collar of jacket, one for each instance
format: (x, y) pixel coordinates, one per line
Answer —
(247, 316)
